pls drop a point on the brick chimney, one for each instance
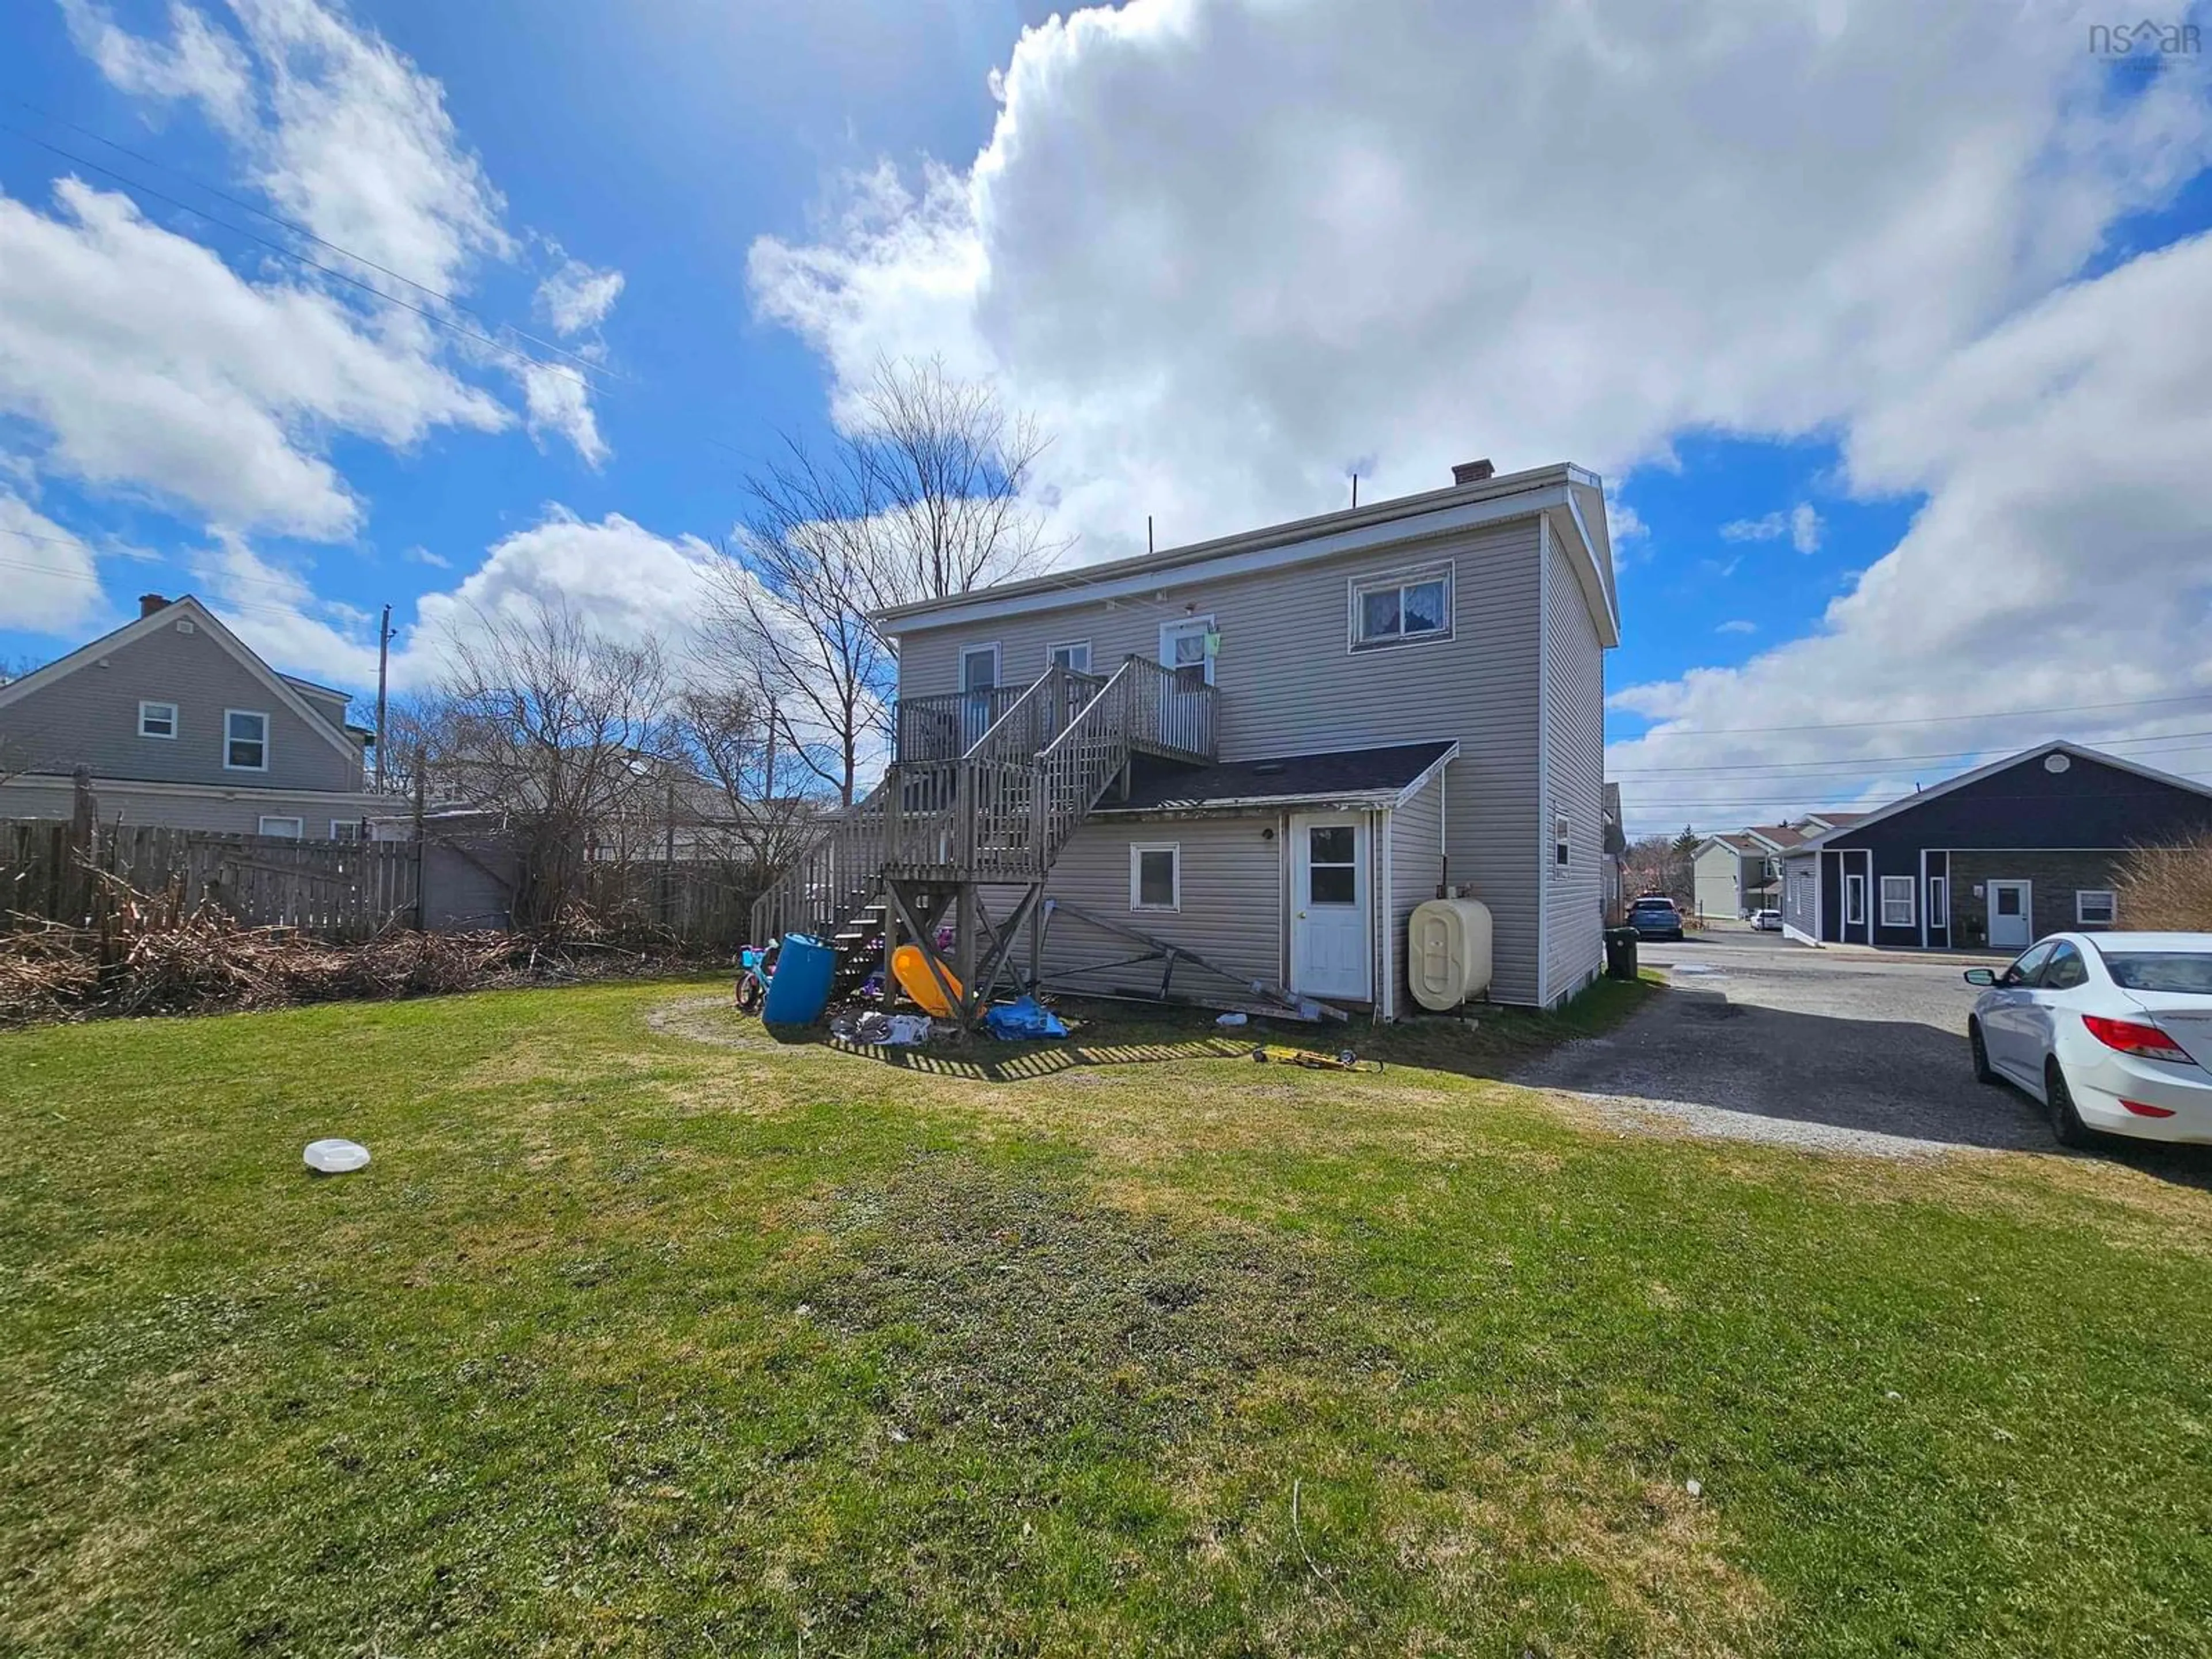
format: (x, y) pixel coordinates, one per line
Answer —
(149, 603)
(1468, 472)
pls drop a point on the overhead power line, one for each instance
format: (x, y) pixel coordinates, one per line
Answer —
(1918, 720)
(294, 254)
(298, 229)
(293, 614)
(1865, 767)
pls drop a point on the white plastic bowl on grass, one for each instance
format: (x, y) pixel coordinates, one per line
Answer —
(337, 1157)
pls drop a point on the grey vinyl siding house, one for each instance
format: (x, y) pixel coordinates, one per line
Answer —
(1504, 670)
(178, 723)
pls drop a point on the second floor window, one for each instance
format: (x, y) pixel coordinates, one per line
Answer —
(245, 741)
(157, 720)
(1404, 608)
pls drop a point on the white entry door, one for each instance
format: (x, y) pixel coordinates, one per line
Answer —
(1329, 949)
(2012, 915)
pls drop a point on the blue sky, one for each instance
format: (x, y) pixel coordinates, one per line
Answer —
(1891, 339)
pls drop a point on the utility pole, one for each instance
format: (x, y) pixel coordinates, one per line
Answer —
(383, 677)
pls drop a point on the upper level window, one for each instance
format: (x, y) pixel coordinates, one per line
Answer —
(1075, 656)
(1404, 608)
(157, 720)
(244, 740)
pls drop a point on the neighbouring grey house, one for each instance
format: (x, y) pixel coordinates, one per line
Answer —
(179, 723)
(1739, 872)
(1314, 728)
(1995, 857)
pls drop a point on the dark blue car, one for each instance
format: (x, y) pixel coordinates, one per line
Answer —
(1656, 918)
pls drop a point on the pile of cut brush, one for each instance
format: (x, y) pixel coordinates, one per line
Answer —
(149, 955)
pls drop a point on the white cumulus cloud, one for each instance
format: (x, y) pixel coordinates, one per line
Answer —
(157, 369)
(48, 581)
(1218, 245)
(575, 297)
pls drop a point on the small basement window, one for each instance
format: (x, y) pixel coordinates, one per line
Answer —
(1897, 901)
(1407, 608)
(157, 720)
(244, 740)
(1156, 877)
(2094, 908)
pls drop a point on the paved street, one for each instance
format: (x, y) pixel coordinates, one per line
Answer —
(1768, 1040)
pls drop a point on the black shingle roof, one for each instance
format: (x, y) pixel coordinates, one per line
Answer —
(1162, 787)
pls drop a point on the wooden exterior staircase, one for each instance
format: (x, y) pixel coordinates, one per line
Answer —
(984, 790)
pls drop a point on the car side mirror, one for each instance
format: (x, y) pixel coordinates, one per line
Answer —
(1980, 976)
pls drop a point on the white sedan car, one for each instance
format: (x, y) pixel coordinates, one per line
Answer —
(2109, 1031)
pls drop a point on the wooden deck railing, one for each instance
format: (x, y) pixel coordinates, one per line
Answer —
(1002, 806)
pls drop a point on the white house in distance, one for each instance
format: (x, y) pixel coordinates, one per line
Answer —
(178, 723)
(1739, 872)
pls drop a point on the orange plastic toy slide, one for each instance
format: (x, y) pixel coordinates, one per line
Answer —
(911, 970)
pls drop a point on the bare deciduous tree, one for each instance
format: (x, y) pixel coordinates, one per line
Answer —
(920, 498)
(567, 731)
(749, 817)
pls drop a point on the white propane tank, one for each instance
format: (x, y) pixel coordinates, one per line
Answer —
(1448, 952)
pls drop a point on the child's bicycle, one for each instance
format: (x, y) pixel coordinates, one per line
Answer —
(755, 967)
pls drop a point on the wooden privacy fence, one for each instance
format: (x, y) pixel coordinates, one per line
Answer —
(704, 903)
(342, 891)
(349, 891)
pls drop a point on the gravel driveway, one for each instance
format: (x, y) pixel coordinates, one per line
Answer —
(1762, 1039)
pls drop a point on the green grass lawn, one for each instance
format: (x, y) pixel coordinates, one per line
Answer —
(644, 1334)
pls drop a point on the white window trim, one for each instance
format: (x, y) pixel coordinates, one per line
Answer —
(169, 736)
(1892, 886)
(1562, 845)
(997, 665)
(2111, 899)
(268, 819)
(1939, 901)
(1204, 625)
(352, 825)
(267, 734)
(1446, 570)
(1854, 899)
(1052, 654)
(1137, 851)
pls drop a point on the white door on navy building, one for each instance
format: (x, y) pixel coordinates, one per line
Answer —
(1329, 951)
(2012, 918)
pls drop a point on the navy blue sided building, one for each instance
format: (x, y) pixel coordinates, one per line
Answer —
(1995, 857)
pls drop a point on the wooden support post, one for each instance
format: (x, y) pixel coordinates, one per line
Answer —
(420, 792)
(1037, 940)
(964, 908)
(83, 845)
(890, 949)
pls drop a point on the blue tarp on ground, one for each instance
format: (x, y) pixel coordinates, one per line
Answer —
(1022, 1021)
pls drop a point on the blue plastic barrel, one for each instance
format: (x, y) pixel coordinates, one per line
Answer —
(799, 990)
